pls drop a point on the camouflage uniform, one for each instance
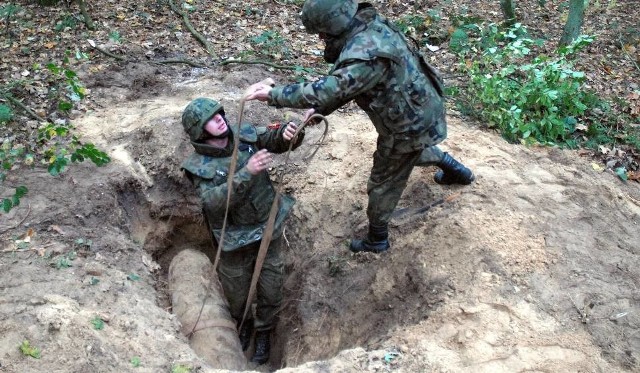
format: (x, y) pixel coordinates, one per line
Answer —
(249, 208)
(399, 91)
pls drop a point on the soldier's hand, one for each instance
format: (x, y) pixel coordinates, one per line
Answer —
(260, 91)
(308, 115)
(259, 162)
(290, 131)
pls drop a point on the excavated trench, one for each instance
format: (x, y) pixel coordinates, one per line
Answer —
(327, 307)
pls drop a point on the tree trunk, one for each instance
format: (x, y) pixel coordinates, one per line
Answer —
(509, 12)
(87, 18)
(574, 22)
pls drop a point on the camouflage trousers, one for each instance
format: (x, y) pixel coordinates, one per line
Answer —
(389, 177)
(235, 270)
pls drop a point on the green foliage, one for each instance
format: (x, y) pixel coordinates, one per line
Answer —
(133, 277)
(54, 144)
(427, 28)
(67, 22)
(5, 114)
(179, 368)
(115, 37)
(64, 261)
(7, 11)
(28, 350)
(83, 244)
(71, 87)
(135, 361)
(13, 201)
(271, 44)
(532, 100)
(98, 323)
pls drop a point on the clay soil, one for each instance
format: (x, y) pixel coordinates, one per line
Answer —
(534, 267)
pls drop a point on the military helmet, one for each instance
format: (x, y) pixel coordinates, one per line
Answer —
(328, 16)
(197, 114)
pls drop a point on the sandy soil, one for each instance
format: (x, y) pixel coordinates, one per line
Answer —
(534, 267)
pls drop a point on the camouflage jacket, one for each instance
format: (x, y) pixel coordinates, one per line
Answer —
(387, 78)
(252, 195)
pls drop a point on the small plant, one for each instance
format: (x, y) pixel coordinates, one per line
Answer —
(68, 21)
(114, 36)
(271, 43)
(29, 350)
(179, 368)
(5, 114)
(98, 323)
(336, 265)
(133, 277)
(83, 244)
(64, 261)
(135, 361)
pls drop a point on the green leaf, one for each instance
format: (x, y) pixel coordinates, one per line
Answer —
(57, 166)
(135, 361)
(98, 323)
(65, 106)
(21, 191)
(622, 173)
(5, 113)
(29, 350)
(6, 205)
(94, 281)
(133, 277)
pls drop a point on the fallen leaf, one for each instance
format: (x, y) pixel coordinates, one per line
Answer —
(597, 167)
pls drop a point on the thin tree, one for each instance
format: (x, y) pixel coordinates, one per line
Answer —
(509, 12)
(574, 22)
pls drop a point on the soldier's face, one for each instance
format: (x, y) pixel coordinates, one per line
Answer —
(216, 126)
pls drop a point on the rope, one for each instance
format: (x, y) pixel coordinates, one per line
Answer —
(268, 233)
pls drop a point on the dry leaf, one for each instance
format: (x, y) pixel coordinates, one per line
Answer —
(597, 167)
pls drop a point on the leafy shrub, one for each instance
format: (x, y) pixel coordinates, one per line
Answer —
(537, 100)
(271, 44)
(5, 114)
(53, 144)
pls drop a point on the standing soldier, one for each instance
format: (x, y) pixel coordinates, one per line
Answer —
(251, 199)
(390, 80)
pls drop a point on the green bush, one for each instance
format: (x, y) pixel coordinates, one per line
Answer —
(533, 100)
(54, 144)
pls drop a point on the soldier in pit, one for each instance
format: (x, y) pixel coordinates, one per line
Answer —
(251, 199)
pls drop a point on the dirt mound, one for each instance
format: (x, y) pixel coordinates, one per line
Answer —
(532, 267)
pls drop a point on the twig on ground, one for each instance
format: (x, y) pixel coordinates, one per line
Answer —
(258, 62)
(189, 26)
(180, 60)
(106, 52)
(19, 104)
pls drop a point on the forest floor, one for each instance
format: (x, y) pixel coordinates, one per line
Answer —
(533, 267)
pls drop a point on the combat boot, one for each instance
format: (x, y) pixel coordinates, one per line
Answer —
(263, 346)
(453, 172)
(245, 334)
(377, 240)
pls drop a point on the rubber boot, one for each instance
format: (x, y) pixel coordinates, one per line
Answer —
(453, 172)
(377, 240)
(263, 345)
(245, 334)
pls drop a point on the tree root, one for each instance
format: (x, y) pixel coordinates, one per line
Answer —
(257, 62)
